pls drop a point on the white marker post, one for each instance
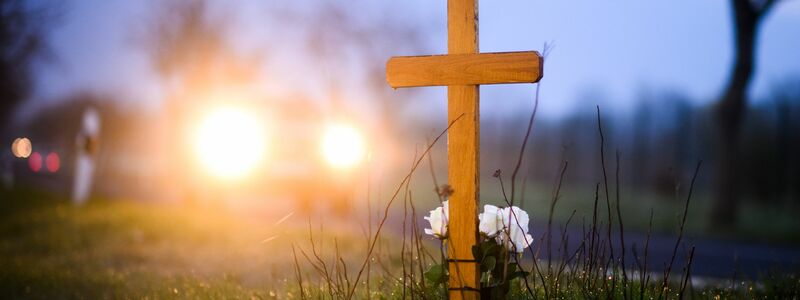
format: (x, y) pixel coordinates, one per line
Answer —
(87, 146)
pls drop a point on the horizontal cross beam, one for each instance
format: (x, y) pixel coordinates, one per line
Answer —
(464, 69)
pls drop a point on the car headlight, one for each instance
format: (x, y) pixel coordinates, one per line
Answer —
(343, 146)
(230, 142)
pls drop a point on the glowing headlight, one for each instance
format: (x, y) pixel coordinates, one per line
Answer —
(343, 146)
(230, 142)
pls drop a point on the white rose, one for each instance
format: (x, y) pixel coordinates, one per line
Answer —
(519, 242)
(438, 218)
(491, 222)
(515, 230)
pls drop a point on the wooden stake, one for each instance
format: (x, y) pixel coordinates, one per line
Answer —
(463, 148)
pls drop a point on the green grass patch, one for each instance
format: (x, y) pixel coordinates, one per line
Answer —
(106, 249)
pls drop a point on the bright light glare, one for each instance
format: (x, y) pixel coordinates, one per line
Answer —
(21, 147)
(343, 146)
(230, 142)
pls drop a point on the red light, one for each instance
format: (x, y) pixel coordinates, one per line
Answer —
(35, 161)
(53, 162)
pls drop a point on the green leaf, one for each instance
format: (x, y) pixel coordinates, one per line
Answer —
(518, 274)
(477, 253)
(488, 264)
(436, 274)
(487, 246)
(485, 277)
(512, 267)
(496, 249)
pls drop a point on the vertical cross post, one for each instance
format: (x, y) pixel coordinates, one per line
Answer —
(462, 70)
(463, 146)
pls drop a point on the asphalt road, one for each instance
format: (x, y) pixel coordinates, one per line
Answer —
(712, 258)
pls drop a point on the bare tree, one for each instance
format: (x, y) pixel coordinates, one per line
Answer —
(187, 46)
(340, 38)
(729, 112)
(22, 43)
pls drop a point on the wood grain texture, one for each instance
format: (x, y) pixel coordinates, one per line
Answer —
(463, 140)
(464, 69)
(463, 150)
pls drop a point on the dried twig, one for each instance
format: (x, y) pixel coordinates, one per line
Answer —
(645, 280)
(553, 201)
(621, 235)
(608, 201)
(680, 231)
(298, 274)
(686, 273)
(389, 204)
(545, 52)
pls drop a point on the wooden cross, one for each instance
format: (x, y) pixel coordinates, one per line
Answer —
(462, 70)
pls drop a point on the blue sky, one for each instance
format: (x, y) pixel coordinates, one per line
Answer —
(611, 49)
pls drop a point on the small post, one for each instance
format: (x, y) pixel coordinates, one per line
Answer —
(463, 142)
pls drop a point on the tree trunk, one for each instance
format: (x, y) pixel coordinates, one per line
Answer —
(729, 114)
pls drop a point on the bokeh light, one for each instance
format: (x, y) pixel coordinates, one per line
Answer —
(53, 162)
(343, 146)
(21, 147)
(230, 142)
(35, 161)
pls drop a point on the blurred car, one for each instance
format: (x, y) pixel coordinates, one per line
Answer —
(299, 153)
(306, 156)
